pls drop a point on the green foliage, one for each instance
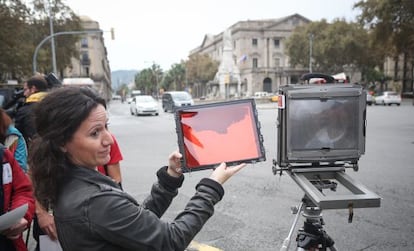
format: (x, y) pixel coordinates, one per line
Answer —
(201, 68)
(335, 47)
(175, 78)
(13, 34)
(391, 23)
(23, 27)
(149, 80)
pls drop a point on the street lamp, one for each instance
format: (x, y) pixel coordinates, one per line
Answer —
(55, 35)
(52, 37)
(310, 52)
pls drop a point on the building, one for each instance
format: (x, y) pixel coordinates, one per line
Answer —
(259, 52)
(399, 72)
(92, 61)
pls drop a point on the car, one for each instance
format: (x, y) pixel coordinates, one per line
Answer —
(116, 97)
(274, 97)
(174, 99)
(144, 105)
(369, 99)
(260, 95)
(388, 98)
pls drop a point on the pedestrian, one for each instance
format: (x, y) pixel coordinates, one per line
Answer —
(13, 139)
(91, 212)
(15, 191)
(34, 90)
(113, 167)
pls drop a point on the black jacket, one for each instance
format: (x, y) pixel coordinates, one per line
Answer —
(93, 214)
(24, 119)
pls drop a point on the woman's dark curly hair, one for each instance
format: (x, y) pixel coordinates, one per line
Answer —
(57, 117)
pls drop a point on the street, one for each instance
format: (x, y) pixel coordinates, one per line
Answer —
(255, 211)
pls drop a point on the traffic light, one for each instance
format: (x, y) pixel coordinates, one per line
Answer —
(112, 33)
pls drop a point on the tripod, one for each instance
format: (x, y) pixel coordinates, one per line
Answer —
(311, 236)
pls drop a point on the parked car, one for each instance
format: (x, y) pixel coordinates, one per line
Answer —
(388, 98)
(274, 97)
(369, 99)
(174, 99)
(260, 94)
(144, 104)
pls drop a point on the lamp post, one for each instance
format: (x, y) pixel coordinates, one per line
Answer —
(310, 52)
(52, 37)
(55, 35)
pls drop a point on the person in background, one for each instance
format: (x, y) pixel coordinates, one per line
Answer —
(34, 90)
(15, 191)
(91, 212)
(13, 140)
(113, 167)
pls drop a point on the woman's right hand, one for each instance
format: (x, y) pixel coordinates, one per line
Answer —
(222, 173)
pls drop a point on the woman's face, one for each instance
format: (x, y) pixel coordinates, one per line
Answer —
(91, 143)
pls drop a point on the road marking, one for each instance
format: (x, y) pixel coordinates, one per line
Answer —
(195, 246)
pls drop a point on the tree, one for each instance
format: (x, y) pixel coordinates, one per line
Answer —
(14, 51)
(64, 19)
(201, 68)
(175, 78)
(148, 80)
(391, 23)
(335, 47)
(23, 27)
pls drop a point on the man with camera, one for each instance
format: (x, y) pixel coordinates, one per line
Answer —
(34, 90)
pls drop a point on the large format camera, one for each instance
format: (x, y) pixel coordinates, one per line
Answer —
(321, 132)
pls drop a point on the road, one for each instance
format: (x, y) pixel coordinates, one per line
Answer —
(255, 211)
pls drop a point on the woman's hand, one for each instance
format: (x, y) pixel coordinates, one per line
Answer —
(47, 223)
(174, 164)
(222, 173)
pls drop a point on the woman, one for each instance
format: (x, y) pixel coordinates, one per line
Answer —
(13, 140)
(15, 191)
(91, 212)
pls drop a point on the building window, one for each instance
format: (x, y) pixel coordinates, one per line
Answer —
(276, 43)
(254, 42)
(84, 42)
(255, 63)
(85, 59)
(277, 62)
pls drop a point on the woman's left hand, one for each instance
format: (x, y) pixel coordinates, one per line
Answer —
(174, 164)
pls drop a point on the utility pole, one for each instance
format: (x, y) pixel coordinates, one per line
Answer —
(55, 35)
(310, 52)
(52, 42)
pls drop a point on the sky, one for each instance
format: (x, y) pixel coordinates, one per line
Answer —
(165, 31)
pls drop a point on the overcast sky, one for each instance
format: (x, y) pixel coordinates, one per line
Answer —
(165, 31)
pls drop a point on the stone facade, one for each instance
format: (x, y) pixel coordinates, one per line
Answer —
(92, 61)
(258, 52)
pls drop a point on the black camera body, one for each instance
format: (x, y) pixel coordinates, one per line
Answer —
(321, 123)
(52, 81)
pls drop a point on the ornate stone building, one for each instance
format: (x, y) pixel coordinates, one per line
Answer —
(92, 61)
(258, 50)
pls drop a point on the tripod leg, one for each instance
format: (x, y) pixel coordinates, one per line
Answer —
(286, 242)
